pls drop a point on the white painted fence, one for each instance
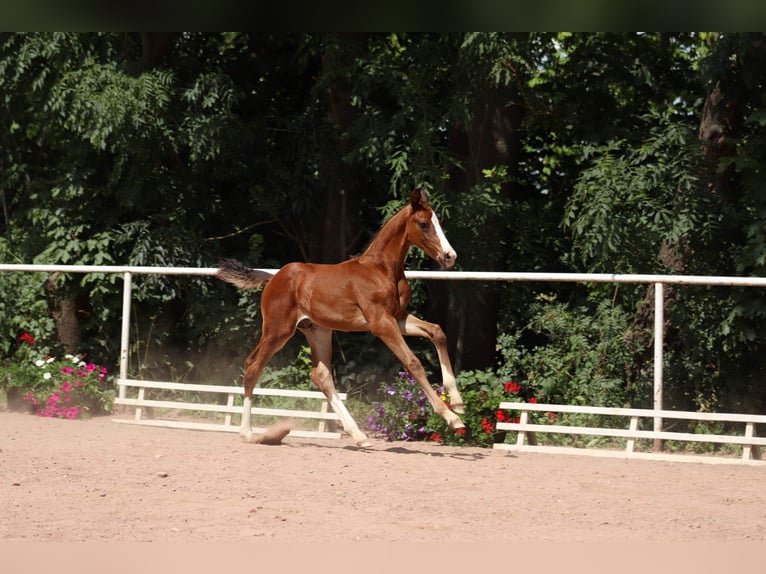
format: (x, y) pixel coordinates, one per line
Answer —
(750, 443)
(140, 402)
(659, 281)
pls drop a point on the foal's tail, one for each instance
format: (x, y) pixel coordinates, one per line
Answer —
(232, 271)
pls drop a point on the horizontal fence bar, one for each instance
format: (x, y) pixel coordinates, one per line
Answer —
(188, 425)
(413, 274)
(643, 413)
(621, 454)
(140, 403)
(208, 407)
(137, 270)
(750, 443)
(627, 433)
(224, 389)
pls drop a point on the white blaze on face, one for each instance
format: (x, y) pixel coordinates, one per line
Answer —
(445, 246)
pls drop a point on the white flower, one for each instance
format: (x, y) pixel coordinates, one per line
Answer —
(39, 363)
(50, 360)
(46, 376)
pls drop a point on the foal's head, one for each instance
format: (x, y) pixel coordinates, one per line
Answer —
(425, 231)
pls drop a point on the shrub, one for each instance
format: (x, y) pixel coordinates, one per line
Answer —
(64, 388)
(404, 413)
(482, 393)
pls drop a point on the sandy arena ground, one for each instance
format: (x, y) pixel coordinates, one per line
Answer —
(97, 480)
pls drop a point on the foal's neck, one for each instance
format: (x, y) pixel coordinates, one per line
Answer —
(390, 246)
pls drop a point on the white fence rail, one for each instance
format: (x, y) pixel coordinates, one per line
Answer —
(659, 281)
(526, 430)
(140, 402)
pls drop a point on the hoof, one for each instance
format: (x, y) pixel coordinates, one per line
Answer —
(246, 436)
(456, 424)
(364, 443)
(458, 408)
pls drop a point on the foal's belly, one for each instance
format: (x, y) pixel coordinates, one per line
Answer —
(349, 321)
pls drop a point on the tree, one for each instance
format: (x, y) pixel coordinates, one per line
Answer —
(542, 151)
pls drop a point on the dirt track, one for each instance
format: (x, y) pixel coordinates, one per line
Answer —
(97, 480)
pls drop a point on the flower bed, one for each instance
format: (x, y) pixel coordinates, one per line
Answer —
(68, 388)
(404, 412)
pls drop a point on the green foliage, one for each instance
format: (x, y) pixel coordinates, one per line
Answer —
(24, 310)
(580, 356)
(542, 151)
(632, 200)
(402, 413)
(482, 393)
(296, 375)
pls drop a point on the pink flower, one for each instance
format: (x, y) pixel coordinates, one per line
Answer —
(71, 413)
(66, 386)
(78, 383)
(90, 367)
(53, 399)
(67, 370)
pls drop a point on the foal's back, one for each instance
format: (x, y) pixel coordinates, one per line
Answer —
(335, 296)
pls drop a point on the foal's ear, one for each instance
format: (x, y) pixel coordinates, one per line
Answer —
(419, 199)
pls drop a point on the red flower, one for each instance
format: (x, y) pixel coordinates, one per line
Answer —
(532, 400)
(552, 417)
(27, 338)
(487, 425)
(460, 431)
(436, 437)
(512, 387)
(501, 416)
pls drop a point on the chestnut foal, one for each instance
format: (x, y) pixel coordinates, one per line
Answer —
(366, 293)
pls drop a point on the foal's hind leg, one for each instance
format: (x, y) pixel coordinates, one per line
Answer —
(270, 343)
(417, 327)
(320, 340)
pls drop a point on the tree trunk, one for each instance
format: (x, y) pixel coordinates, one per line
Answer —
(469, 314)
(64, 310)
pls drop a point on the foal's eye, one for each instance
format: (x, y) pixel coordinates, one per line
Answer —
(423, 224)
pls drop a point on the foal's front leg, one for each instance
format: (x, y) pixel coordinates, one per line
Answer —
(388, 331)
(413, 326)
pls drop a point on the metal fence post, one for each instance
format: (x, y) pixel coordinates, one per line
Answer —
(125, 336)
(659, 324)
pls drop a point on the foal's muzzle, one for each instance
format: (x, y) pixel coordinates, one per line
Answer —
(447, 259)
